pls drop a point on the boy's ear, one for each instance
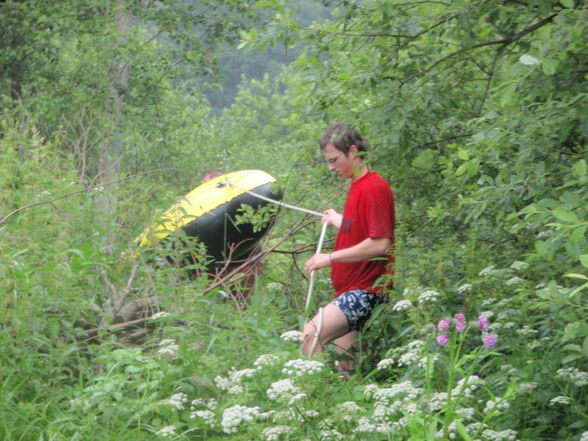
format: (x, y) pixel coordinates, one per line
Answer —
(353, 149)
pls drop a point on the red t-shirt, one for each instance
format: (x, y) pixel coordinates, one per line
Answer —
(368, 212)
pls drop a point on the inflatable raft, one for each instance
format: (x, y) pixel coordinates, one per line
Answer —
(209, 211)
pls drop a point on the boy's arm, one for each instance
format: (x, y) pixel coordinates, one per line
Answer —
(365, 250)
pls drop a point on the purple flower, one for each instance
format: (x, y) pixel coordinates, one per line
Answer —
(484, 326)
(460, 326)
(443, 339)
(444, 324)
(489, 340)
(459, 317)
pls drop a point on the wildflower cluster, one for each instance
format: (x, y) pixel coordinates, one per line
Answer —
(275, 433)
(284, 390)
(429, 296)
(235, 415)
(168, 348)
(459, 323)
(178, 400)
(292, 336)
(573, 375)
(301, 367)
(232, 385)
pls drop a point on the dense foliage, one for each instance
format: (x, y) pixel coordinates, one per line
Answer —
(476, 112)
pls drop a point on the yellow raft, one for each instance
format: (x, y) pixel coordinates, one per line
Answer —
(208, 213)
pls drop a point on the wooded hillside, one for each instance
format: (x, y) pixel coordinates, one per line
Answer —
(475, 112)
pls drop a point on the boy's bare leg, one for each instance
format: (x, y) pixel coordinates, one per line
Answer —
(334, 326)
(345, 343)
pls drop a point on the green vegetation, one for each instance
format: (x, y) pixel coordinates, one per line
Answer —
(476, 112)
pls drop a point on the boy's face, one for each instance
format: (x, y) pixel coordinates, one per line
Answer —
(344, 166)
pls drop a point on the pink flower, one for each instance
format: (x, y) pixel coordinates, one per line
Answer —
(484, 326)
(444, 324)
(489, 340)
(443, 339)
(459, 317)
(460, 326)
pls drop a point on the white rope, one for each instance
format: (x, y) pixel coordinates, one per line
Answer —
(311, 284)
(317, 336)
(273, 201)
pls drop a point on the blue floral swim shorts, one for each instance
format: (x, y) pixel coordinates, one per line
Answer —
(358, 305)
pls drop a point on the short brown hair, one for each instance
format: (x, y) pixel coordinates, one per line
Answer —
(211, 174)
(342, 138)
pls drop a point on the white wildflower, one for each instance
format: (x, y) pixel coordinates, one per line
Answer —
(237, 376)
(562, 399)
(497, 404)
(274, 433)
(293, 336)
(466, 386)
(209, 403)
(235, 415)
(302, 367)
(226, 384)
(428, 296)
(167, 431)
(504, 435)
(178, 400)
(438, 401)
(488, 302)
(402, 305)
(160, 314)
(330, 435)
(584, 436)
(487, 271)
(350, 407)
(168, 347)
(463, 288)
(528, 60)
(385, 363)
(406, 292)
(525, 330)
(513, 281)
(573, 375)
(205, 415)
(466, 412)
(364, 425)
(296, 398)
(282, 390)
(518, 265)
(266, 360)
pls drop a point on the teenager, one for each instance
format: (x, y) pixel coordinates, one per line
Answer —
(363, 249)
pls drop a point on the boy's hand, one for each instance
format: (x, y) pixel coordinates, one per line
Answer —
(331, 217)
(316, 262)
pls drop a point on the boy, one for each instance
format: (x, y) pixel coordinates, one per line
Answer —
(366, 232)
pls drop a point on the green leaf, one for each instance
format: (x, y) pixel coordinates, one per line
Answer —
(549, 66)
(584, 260)
(579, 169)
(577, 276)
(565, 216)
(462, 154)
(567, 3)
(578, 234)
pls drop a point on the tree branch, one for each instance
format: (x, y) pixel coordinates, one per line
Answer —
(503, 43)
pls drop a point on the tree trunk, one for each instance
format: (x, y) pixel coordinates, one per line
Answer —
(109, 155)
